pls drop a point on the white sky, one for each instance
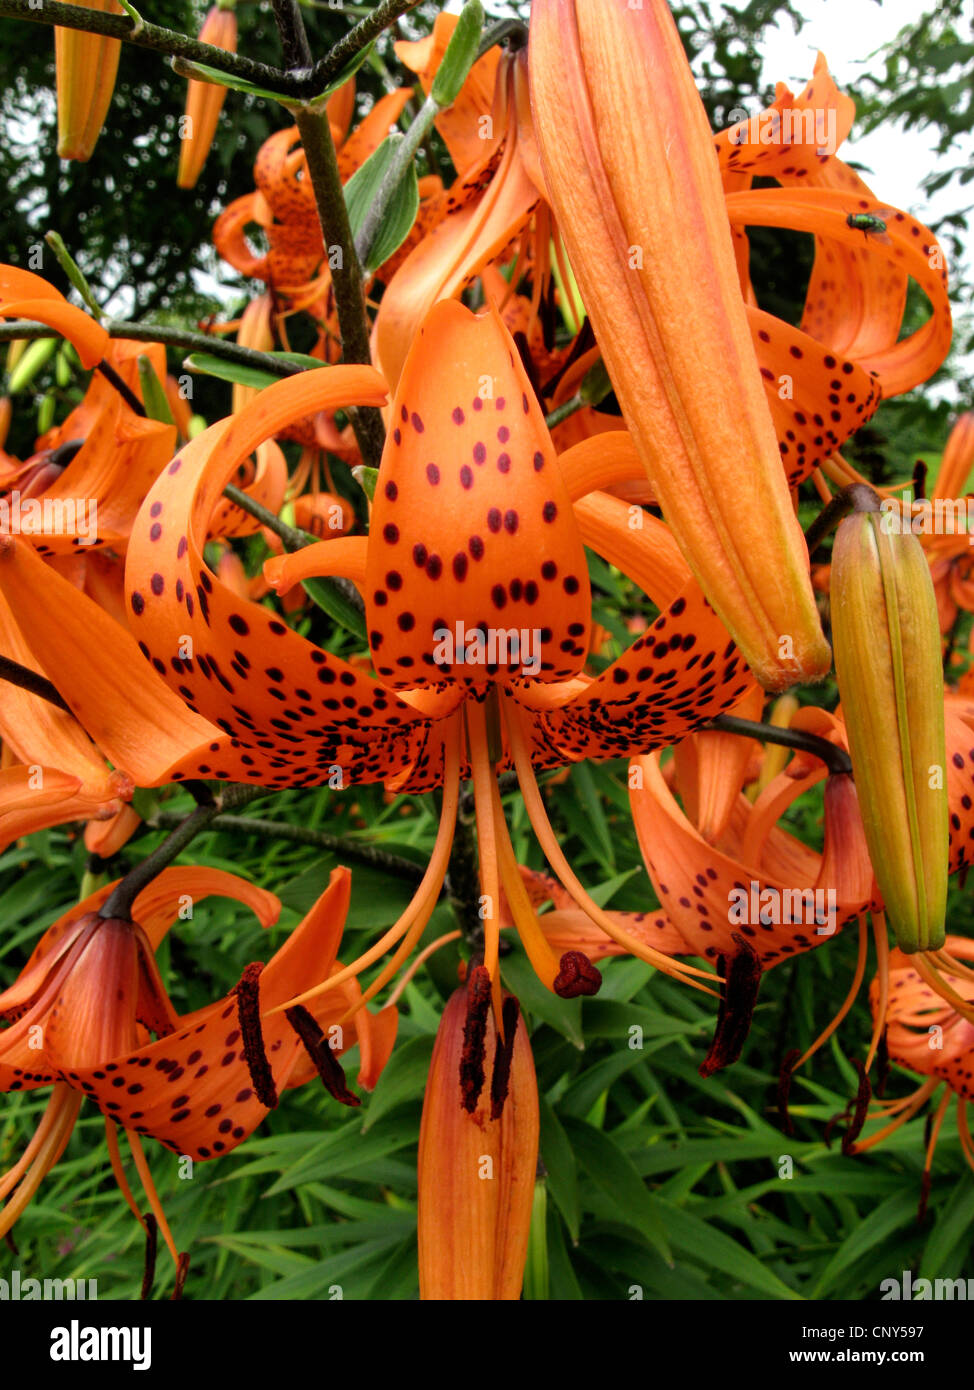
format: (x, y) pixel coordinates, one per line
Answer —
(851, 34)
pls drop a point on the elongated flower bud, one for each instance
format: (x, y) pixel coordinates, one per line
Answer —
(643, 217)
(204, 100)
(86, 65)
(888, 663)
(478, 1152)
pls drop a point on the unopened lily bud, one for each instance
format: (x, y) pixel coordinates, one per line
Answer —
(846, 867)
(204, 100)
(86, 67)
(888, 663)
(645, 226)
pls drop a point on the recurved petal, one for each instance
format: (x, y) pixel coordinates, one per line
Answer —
(707, 893)
(471, 523)
(137, 722)
(908, 246)
(291, 711)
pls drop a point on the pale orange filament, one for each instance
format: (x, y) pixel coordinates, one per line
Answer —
(414, 919)
(914, 1103)
(882, 974)
(951, 965)
(424, 955)
(49, 1143)
(556, 858)
(533, 939)
(115, 1157)
(482, 772)
(152, 1196)
(928, 971)
(847, 1003)
(821, 486)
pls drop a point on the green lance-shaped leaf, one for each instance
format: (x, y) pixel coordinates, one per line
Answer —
(460, 55)
(888, 662)
(367, 478)
(400, 208)
(241, 374)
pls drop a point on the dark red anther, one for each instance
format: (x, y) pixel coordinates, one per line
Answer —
(503, 1057)
(320, 1051)
(577, 976)
(472, 1073)
(742, 980)
(182, 1271)
(835, 1120)
(882, 1064)
(864, 1095)
(151, 1243)
(924, 1196)
(784, 1089)
(248, 1015)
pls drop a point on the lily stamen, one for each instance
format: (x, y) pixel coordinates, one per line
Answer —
(248, 1015)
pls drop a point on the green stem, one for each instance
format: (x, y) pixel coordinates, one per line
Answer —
(836, 759)
(347, 281)
(857, 497)
(355, 40)
(119, 903)
(304, 835)
(163, 333)
(152, 36)
(127, 395)
(294, 37)
(563, 411)
(337, 596)
(514, 29)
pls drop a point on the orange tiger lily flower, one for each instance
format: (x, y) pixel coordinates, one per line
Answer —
(926, 1035)
(93, 472)
(25, 295)
(478, 1151)
(80, 1014)
(826, 378)
(86, 67)
(947, 542)
(698, 882)
(295, 267)
(757, 895)
(646, 230)
(497, 539)
(204, 100)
